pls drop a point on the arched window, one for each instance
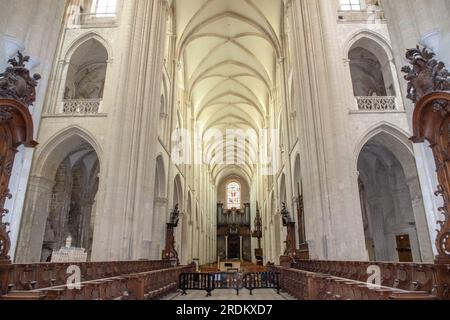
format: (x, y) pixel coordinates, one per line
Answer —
(86, 73)
(233, 196)
(350, 5)
(104, 8)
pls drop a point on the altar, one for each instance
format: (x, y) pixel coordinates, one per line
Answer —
(230, 266)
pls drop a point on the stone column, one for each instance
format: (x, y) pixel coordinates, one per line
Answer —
(226, 247)
(241, 248)
(33, 226)
(331, 199)
(125, 215)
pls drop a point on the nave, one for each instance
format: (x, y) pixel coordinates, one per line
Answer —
(148, 146)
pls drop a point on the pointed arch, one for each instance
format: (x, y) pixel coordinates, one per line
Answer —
(391, 198)
(83, 39)
(384, 128)
(52, 153)
(178, 195)
(371, 35)
(160, 178)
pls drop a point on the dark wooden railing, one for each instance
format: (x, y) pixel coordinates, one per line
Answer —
(23, 277)
(431, 278)
(305, 285)
(149, 285)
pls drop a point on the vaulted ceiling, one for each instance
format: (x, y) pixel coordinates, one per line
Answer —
(230, 50)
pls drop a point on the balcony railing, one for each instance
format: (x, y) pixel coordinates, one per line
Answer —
(361, 16)
(93, 19)
(82, 107)
(376, 103)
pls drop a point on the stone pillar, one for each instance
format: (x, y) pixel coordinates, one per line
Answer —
(241, 248)
(331, 199)
(131, 158)
(226, 247)
(33, 226)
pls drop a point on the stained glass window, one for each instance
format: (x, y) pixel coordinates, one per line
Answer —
(234, 196)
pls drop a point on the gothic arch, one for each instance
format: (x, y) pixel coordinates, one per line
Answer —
(391, 198)
(194, 27)
(65, 185)
(160, 178)
(384, 128)
(178, 196)
(50, 155)
(369, 35)
(370, 64)
(80, 41)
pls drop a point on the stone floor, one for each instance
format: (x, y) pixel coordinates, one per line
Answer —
(263, 294)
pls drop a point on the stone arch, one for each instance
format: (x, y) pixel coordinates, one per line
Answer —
(391, 198)
(160, 178)
(86, 71)
(373, 36)
(371, 68)
(400, 136)
(178, 192)
(77, 43)
(61, 197)
(160, 211)
(50, 154)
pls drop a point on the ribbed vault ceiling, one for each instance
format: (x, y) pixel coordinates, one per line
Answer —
(230, 50)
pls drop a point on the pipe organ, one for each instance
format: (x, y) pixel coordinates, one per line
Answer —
(234, 233)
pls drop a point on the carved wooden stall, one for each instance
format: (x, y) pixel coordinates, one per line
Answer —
(17, 93)
(305, 285)
(429, 88)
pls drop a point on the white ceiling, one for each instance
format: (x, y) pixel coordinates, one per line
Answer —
(230, 49)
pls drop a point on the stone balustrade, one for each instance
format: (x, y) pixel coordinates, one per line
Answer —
(81, 106)
(367, 16)
(91, 19)
(23, 277)
(376, 103)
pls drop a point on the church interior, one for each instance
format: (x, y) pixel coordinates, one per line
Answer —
(290, 149)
